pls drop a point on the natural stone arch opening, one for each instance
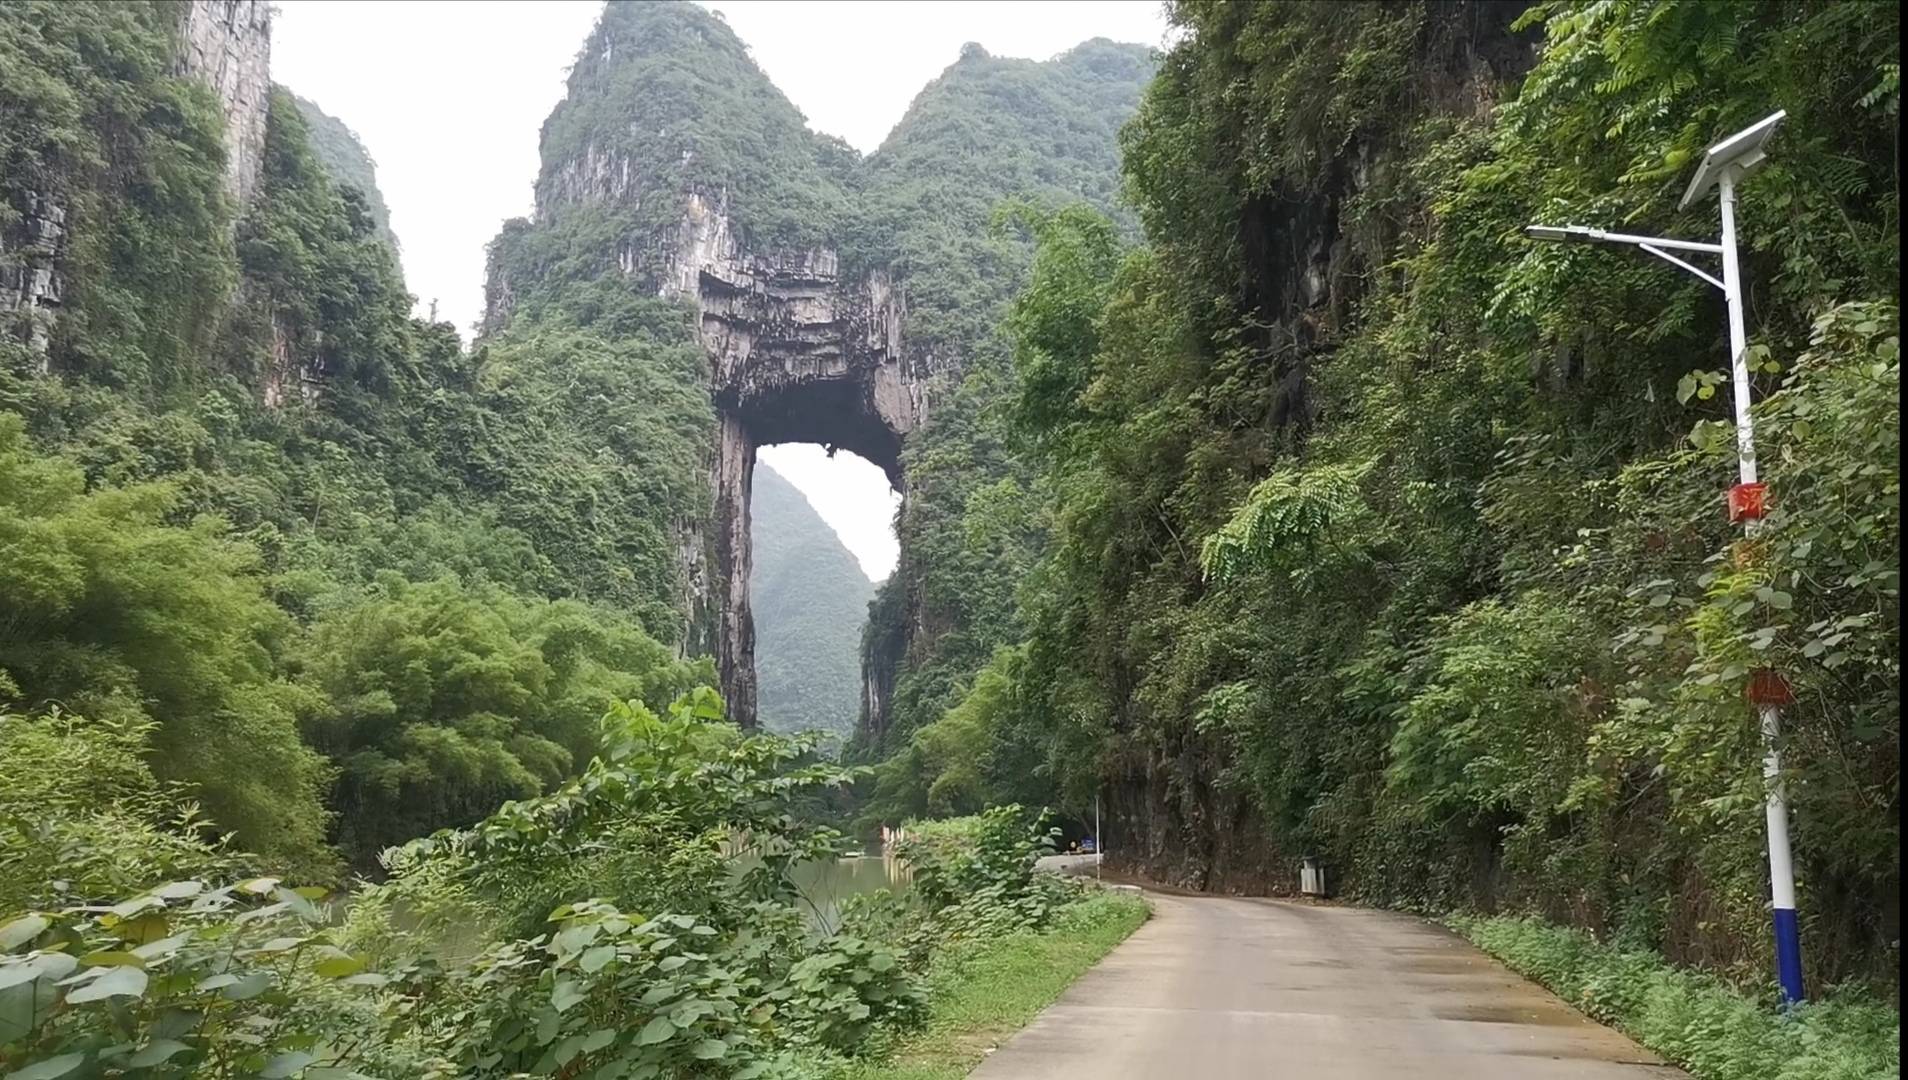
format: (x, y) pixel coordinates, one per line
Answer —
(824, 412)
(824, 539)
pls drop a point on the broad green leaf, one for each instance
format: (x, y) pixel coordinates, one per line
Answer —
(338, 964)
(564, 1051)
(248, 987)
(51, 966)
(144, 928)
(50, 1068)
(179, 890)
(156, 1051)
(565, 995)
(710, 1049)
(17, 1011)
(114, 982)
(660, 1029)
(162, 947)
(22, 930)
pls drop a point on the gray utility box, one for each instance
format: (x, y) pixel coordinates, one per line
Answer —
(1311, 878)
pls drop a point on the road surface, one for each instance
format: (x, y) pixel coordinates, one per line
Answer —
(1224, 988)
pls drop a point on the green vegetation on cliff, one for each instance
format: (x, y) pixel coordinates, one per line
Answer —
(346, 581)
(347, 163)
(1382, 534)
(990, 132)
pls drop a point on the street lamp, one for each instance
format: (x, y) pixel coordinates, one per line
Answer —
(1724, 167)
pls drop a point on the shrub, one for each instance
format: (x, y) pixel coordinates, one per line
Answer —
(958, 858)
(1695, 1019)
(83, 820)
(185, 980)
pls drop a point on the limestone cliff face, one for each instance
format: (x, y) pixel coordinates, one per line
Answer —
(228, 45)
(32, 272)
(795, 353)
(796, 350)
(225, 43)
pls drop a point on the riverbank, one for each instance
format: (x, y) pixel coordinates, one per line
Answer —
(981, 992)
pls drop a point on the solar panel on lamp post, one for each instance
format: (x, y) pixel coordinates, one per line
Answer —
(1724, 167)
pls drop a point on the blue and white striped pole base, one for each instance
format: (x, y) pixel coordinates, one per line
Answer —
(1788, 937)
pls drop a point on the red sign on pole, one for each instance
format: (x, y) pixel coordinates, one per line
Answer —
(1746, 502)
(1768, 687)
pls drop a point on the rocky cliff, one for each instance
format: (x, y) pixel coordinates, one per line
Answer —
(824, 304)
(225, 44)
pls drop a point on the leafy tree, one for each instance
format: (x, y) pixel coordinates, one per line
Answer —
(441, 702)
(1380, 534)
(114, 614)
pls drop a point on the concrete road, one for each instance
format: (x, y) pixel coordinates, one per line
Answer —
(1221, 988)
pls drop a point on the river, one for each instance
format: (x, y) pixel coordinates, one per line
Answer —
(826, 885)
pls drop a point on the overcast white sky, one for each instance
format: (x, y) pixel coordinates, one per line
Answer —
(449, 98)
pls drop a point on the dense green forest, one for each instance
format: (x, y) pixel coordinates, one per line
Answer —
(346, 618)
(1279, 493)
(294, 585)
(1382, 534)
(810, 598)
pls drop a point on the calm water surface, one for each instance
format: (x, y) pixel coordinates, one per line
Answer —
(828, 883)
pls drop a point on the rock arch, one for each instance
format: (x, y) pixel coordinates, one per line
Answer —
(796, 353)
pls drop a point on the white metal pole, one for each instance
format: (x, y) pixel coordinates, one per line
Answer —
(1776, 808)
(1738, 336)
(1099, 839)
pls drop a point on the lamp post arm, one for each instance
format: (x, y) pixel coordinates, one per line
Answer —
(1674, 261)
(1657, 241)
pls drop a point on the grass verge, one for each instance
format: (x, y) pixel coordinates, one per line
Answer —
(981, 992)
(1694, 1019)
